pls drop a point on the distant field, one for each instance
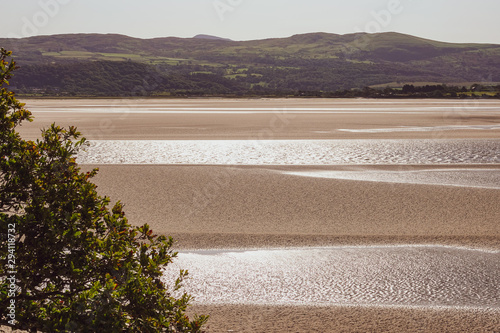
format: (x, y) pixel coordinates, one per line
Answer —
(84, 55)
(395, 85)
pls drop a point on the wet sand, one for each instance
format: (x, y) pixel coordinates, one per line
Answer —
(260, 207)
(314, 319)
(241, 318)
(249, 206)
(243, 207)
(201, 119)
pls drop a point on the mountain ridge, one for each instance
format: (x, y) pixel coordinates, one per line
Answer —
(302, 62)
(364, 40)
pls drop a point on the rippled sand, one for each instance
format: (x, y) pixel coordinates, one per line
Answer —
(383, 276)
(293, 152)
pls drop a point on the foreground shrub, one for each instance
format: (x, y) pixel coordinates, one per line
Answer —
(69, 263)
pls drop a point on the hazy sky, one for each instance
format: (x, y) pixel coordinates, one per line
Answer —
(453, 21)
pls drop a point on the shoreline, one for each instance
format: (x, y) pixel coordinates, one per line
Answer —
(256, 242)
(253, 97)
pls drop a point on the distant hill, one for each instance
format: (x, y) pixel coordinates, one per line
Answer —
(315, 62)
(211, 37)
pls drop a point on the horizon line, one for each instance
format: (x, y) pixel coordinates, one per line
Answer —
(219, 38)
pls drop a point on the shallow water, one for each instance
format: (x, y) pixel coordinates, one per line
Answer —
(474, 178)
(264, 106)
(293, 152)
(422, 276)
(424, 129)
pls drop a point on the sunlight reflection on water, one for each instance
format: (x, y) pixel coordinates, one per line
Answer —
(479, 178)
(385, 276)
(292, 152)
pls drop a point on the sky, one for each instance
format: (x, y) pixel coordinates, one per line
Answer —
(451, 20)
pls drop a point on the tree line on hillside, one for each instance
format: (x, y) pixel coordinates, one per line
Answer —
(108, 78)
(298, 77)
(426, 91)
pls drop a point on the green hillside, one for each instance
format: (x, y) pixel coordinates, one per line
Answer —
(76, 64)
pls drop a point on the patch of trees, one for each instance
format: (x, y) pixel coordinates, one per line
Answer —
(108, 78)
(278, 77)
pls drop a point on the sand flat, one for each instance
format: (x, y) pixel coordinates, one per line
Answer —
(202, 119)
(251, 206)
(247, 318)
(258, 207)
